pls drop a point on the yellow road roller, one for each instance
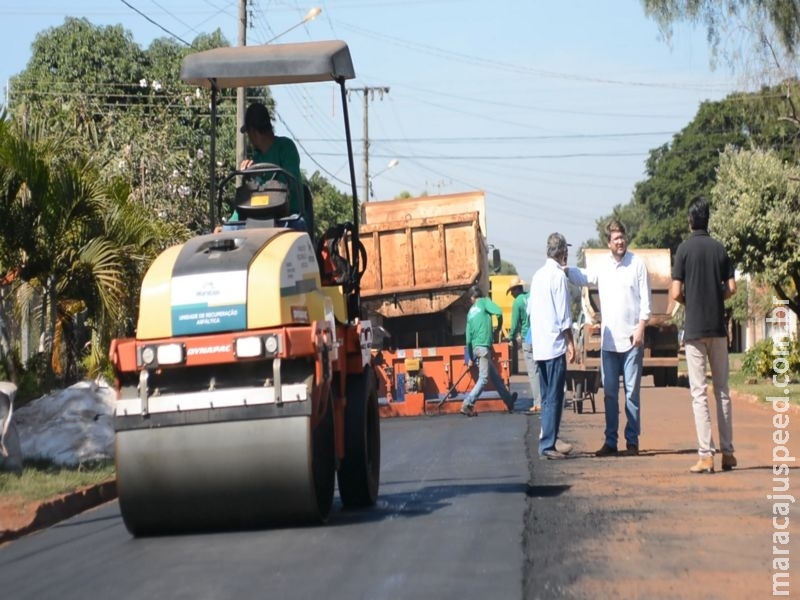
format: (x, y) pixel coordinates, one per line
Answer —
(247, 391)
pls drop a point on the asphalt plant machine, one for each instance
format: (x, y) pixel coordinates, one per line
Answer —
(247, 391)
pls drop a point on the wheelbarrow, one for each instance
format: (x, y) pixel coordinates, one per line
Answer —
(583, 383)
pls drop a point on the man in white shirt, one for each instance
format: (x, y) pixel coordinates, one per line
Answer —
(624, 288)
(551, 339)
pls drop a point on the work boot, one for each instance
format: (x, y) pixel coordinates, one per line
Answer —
(563, 447)
(705, 464)
(728, 461)
(632, 450)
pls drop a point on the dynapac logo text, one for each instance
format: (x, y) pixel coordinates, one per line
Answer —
(224, 349)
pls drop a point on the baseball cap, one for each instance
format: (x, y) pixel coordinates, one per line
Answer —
(257, 116)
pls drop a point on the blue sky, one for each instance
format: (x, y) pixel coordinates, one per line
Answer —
(549, 107)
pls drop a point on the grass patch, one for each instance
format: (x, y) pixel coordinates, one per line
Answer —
(41, 480)
(761, 387)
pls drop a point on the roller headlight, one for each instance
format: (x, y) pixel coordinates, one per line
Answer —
(170, 354)
(249, 347)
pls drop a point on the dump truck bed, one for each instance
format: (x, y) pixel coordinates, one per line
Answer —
(424, 253)
(659, 270)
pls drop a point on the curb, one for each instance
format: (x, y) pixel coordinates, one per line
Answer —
(63, 507)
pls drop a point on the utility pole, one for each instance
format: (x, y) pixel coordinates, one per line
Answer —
(368, 92)
(240, 92)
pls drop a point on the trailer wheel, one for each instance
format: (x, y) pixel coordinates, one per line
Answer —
(323, 461)
(359, 472)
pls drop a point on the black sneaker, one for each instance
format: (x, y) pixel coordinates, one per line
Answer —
(632, 450)
(606, 450)
(510, 405)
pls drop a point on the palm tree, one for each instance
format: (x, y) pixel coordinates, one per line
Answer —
(62, 233)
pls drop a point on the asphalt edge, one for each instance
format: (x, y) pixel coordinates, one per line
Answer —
(63, 507)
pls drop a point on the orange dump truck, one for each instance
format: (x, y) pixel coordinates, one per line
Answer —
(424, 255)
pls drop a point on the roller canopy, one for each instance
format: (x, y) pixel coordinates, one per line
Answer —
(269, 64)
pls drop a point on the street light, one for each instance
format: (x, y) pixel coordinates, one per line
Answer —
(392, 164)
(310, 16)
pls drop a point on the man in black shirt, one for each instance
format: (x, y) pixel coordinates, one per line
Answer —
(702, 278)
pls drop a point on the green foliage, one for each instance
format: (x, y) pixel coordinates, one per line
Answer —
(739, 303)
(141, 123)
(759, 360)
(687, 167)
(81, 244)
(331, 206)
(757, 216)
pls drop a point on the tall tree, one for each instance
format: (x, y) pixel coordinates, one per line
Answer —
(55, 219)
(756, 216)
(130, 108)
(687, 166)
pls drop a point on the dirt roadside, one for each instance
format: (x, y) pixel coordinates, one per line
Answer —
(644, 527)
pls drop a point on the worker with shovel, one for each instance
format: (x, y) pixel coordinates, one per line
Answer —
(479, 348)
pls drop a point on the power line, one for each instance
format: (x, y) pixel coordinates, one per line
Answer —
(156, 23)
(510, 67)
(505, 157)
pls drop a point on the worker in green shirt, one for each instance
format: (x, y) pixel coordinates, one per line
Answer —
(276, 150)
(520, 325)
(480, 335)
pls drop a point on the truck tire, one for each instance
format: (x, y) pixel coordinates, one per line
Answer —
(359, 472)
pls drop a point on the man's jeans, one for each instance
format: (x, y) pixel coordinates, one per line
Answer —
(629, 365)
(552, 377)
(533, 376)
(486, 370)
(716, 350)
